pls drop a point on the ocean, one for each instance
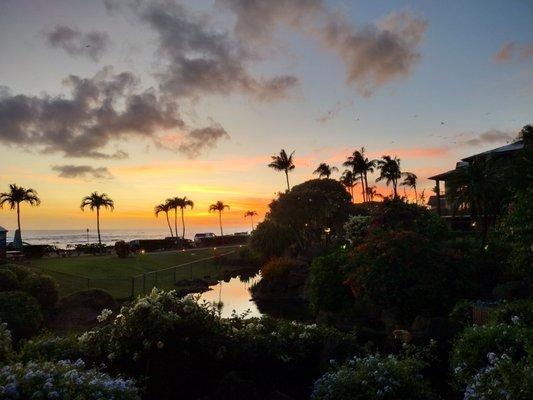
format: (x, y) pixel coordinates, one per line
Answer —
(70, 237)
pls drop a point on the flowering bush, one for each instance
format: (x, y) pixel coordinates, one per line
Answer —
(5, 342)
(53, 348)
(477, 346)
(277, 267)
(502, 378)
(162, 330)
(374, 377)
(62, 380)
(519, 312)
(356, 228)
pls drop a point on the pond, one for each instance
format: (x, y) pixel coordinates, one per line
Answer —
(234, 294)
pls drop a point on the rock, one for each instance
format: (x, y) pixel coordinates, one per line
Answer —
(80, 309)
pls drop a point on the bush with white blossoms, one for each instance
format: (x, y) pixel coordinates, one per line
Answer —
(518, 312)
(5, 342)
(62, 380)
(502, 379)
(356, 228)
(105, 314)
(477, 345)
(372, 378)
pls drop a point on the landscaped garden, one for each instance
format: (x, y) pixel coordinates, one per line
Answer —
(400, 306)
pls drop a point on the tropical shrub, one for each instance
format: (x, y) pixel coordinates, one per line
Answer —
(62, 380)
(513, 237)
(21, 312)
(374, 377)
(291, 353)
(502, 378)
(477, 346)
(327, 290)
(162, 330)
(518, 312)
(122, 249)
(397, 215)
(356, 228)
(8, 281)
(297, 219)
(20, 271)
(5, 343)
(270, 239)
(406, 274)
(52, 348)
(43, 287)
(277, 267)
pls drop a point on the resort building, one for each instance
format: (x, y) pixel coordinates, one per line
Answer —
(439, 203)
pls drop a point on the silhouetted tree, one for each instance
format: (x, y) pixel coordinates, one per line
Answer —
(250, 214)
(17, 195)
(390, 172)
(183, 203)
(219, 206)
(409, 180)
(95, 201)
(361, 166)
(164, 207)
(349, 181)
(283, 162)
(324, 170)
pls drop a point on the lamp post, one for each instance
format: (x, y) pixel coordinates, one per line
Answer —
(327, 232)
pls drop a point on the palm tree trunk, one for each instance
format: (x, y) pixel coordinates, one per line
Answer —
(182, 225)
(287, 177)
(98, 227)
(169, 226)
(176, 221)
(18, 220)
(394, 189)
(220, 222)
(416, 195)
(363, 187)
(366, 186)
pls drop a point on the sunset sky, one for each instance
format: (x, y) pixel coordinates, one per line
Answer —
(145, 100)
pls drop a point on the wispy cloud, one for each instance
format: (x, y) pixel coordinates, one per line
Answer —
(82, 171)
(76, 43)
(513, 51)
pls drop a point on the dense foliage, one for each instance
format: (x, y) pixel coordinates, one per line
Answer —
(21, 312)
(277, 268)
(356, 228)
(374, 377)
(62, 380)
(302, 215)
(43, 288)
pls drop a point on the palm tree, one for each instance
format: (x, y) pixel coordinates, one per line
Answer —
(355, 162)
(283, 162)
(183, 203)
(17, 195)
(410, 181)
(349, 181)
(173, 205)
(325, 170)
(372, 192)
(250, 214)
(390, 171)
(367, 166)
(95, 201)
(219, 206)
(164, 207)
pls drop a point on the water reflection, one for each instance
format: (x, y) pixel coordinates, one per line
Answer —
(233, 294)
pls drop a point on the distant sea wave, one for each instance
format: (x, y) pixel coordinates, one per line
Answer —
(70, 237)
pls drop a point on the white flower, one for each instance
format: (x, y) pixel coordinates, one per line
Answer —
(104, 315)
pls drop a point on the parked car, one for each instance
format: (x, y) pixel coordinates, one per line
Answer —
(200, 236)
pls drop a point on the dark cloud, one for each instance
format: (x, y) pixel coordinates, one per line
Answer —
(196, 59)
(512, 51)
(82, 171)
(373, 55)
(76, 43)
(100, 110)
(492, 136)
(201, 139)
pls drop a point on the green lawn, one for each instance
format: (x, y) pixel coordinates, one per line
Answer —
(133, 275)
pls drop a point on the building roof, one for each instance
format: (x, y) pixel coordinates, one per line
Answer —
(499, 151)
(443, 176)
